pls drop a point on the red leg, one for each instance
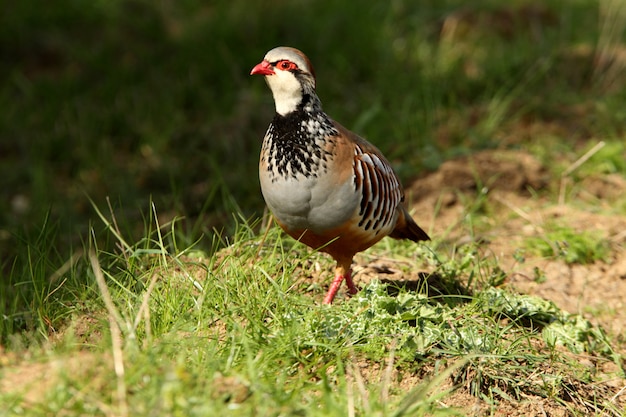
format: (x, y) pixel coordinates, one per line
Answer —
(332, 291)
(351, 287)
(342, 272)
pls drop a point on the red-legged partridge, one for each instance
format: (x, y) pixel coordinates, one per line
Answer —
(327, 187)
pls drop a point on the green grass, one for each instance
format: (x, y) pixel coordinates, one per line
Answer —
(232, 333)
(131, 130)
(573, 247)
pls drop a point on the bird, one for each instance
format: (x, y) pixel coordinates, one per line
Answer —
(326, 186)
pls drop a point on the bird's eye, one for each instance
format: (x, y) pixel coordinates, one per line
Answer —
(286, 65)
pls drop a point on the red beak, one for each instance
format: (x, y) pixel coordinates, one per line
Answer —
(264, 68)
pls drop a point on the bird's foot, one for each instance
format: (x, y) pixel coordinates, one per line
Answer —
(352, 289)
(332, 291)
(334, 287)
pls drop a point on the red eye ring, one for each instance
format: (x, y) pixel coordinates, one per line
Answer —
(286, 65)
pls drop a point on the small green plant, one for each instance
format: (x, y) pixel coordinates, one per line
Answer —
(573, 247)
(610, 159)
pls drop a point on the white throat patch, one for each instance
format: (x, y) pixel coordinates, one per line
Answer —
(286, 90)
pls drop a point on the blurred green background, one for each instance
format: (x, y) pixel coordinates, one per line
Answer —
(145, 101)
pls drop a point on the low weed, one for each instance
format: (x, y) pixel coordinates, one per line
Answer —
(572, 246)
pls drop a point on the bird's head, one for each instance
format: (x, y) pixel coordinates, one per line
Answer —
(290, 75)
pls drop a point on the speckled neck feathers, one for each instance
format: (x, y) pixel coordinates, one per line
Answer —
(299, 142)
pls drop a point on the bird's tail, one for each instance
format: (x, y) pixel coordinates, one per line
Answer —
(406, 228)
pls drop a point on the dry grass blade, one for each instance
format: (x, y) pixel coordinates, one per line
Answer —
(144, 311)
(421, 392)
(610, 62)
(115, 321)
(111, 227)
(575, 166)
(65, 267)
(360, 383)
(350, 397)
(104, 290)
(386, 382)
(269, 219)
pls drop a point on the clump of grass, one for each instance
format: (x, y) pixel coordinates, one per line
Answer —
(41, 287)
(610, 159)
(573, 247)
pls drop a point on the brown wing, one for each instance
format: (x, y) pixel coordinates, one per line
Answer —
(381, 193)
(376, 183)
